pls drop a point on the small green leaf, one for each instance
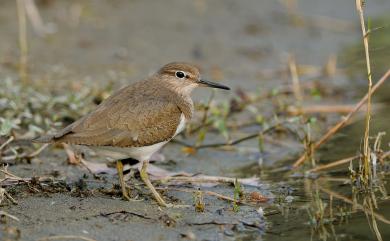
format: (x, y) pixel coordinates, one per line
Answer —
(6, 127)
(201, 136)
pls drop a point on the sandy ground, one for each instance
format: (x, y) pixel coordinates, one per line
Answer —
(118, 42)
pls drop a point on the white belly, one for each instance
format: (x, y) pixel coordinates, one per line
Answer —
(139, 153)
(142, 153)
(181, 125)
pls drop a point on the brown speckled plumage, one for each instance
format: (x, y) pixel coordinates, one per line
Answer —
(138, 120)
(123, 121)
(141, 114)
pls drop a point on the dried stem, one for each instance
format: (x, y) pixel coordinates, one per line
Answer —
(295, 80)
(231, 142)
(201, 179)
(74, 237)
(210, 193)
(237, 141)
(366, 146)
(7, 142)
(21, 10)
(25, 155)
(333, 164)
(3, 213)
(344, 120)
(358, 206)
(320, 109)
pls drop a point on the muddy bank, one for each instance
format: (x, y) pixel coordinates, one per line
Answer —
(100, 46)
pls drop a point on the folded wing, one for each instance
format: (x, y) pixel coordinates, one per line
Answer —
(126, 119)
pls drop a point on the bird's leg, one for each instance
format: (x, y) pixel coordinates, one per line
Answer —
(145, 179)
(119, 168)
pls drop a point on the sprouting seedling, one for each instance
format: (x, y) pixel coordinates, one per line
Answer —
(238, 193)
(199, 201)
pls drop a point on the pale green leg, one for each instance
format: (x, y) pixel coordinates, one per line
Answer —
(145, 178)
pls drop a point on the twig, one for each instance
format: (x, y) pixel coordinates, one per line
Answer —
(333, 164)
(357, 205)
(38, 151)
(10, 139)
(282, 90)
(335, 179)
(342, 161)
(199, 179)
(210, 193)
(206, 179)
(25, 155)
(10, 198)
(4, 193)
(320, 109)
(229, 143)
(2, 213)
(344, 120)
(13, 181)
(76, 237)
(245, 138)
(5, 171)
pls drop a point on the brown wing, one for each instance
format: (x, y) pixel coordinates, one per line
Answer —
(126, 119)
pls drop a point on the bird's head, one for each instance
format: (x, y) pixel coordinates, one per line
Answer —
(185, 77)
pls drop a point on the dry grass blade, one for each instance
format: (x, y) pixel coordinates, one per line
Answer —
(207, 179)
(2, 213)
(38, 151)
(25, 155)
(59, 237)
(366, 147)
(210, 193)
(333, 164)
(320, 109)
(344, 120)
(295, 80)
(21, 10)
(7, 142)
(245, 138)
(4, 193)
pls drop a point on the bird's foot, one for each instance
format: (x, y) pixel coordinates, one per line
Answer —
(156, 195)
(125, 195)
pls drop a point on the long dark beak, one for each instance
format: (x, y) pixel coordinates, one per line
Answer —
(213, 85)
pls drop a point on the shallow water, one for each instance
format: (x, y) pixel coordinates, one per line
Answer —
(240, 43)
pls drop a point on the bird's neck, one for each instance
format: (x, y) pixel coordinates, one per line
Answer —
(185, 104)
(181, 96)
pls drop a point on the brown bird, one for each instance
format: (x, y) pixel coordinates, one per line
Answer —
(137, 120)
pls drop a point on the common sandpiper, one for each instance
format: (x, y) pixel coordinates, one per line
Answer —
(137, 120)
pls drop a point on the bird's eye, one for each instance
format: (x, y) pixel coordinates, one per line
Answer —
(180, 74)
